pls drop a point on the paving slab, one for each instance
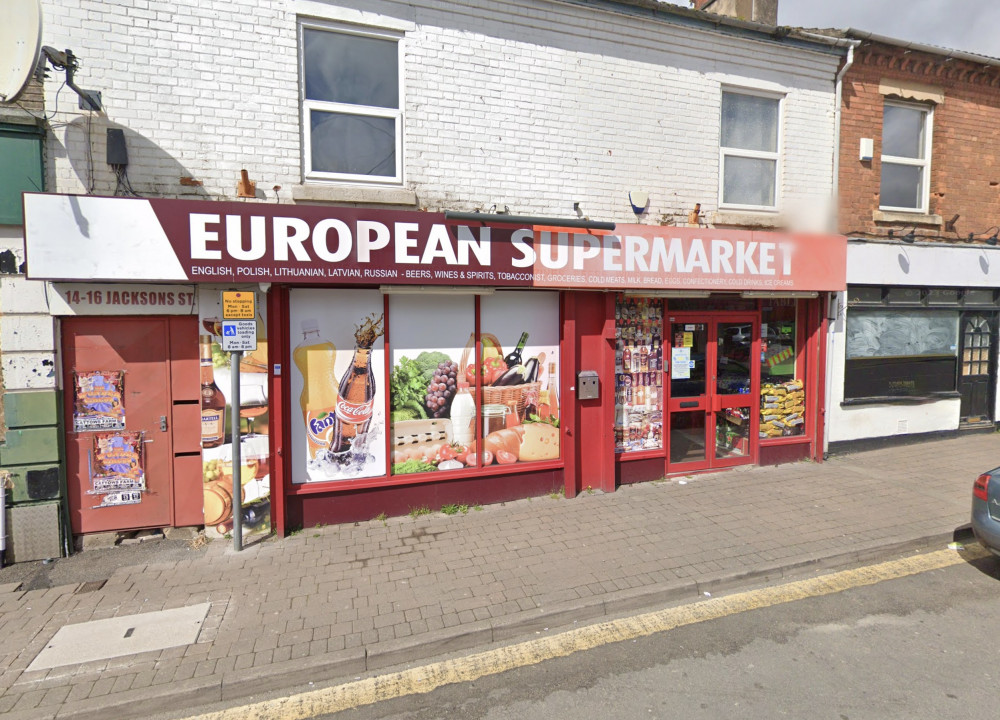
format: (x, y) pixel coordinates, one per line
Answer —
(340, 601)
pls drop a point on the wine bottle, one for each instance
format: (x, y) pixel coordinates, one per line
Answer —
(514, 358)
(213, 402)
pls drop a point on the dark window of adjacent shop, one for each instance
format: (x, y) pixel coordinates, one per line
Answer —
(864, 295)
(902, 342)
(943, 296)
(904, 296)
(978, 297)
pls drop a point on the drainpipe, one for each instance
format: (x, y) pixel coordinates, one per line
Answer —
(836, 126)
(832, 326)
(3, 516)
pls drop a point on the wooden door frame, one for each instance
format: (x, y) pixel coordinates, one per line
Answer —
(994, 319)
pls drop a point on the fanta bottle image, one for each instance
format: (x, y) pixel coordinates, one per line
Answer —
(315, 359)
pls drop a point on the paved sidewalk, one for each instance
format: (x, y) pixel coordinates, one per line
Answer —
(336, 602)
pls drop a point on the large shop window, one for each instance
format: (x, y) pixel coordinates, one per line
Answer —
(351, 110)
(749, 150)
(900, 352)
(339, 360)
(906, 156)
(429, 413)
(782, 391)
(638, 374)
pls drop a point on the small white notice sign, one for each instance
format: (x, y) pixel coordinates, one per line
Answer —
(239, 335)
(680, 363)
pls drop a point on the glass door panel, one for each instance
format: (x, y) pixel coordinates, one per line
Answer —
(732, 434)
(711, 378)
(732, 372)
(689, 342)
(687, 437)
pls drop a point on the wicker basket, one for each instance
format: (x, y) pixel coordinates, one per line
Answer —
(511, 394)
(468, 356)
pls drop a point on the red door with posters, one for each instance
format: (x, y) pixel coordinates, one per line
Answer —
(158, 358)
(712, 387)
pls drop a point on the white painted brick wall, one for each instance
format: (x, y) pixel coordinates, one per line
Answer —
(27, 335)
(529, 104)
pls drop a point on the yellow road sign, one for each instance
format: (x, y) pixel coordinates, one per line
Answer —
(239, 305)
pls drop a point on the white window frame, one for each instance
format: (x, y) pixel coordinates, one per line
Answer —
(344, 108)
(725, 152)
(924, 163)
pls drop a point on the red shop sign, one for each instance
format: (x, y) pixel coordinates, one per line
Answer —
(70, 237)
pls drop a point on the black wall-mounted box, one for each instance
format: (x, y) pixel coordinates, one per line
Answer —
(117, 153)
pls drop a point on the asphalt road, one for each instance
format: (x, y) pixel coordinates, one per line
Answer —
(923, 646)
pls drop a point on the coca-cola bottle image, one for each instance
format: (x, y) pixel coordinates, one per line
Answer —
(357, 390)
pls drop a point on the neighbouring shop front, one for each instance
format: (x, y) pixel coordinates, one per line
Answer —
(915, 344)
(405, 360)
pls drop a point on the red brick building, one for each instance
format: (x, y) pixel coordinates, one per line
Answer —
(914, 347)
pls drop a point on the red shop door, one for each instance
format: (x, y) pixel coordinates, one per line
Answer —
(712, 382)
(159, 357)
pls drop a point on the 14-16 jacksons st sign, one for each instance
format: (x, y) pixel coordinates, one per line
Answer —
(72, 237)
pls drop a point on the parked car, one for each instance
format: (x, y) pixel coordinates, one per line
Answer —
(986, 510)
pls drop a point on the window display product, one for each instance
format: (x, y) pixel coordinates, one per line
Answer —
(213, 402)
(782, 409)
(638, 374)
(315, 358)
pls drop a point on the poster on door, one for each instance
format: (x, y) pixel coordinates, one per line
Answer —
(97, 401)
(339, 365)
(117, 463)
(217, 411)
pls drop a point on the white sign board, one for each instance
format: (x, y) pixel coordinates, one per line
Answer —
(125, 497)
(239, 335)
(122, 299)
(680, 363)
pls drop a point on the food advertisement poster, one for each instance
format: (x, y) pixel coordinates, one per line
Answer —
(337, 378)
(216, 427)
(117, 463)
(438, 424)
(97, 401)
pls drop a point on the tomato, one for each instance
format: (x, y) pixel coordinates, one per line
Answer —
(487, 457)
(471, 459)
(506, 458)
(447, 452)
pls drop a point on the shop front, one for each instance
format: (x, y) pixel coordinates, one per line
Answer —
(915, 349)
(406, 360)
(734, 379)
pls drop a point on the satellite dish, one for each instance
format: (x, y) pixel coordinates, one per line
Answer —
(20, 41)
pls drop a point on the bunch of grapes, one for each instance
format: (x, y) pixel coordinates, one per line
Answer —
(442, 389)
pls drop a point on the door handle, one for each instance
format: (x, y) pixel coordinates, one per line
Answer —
(163, 423)
(691, 403)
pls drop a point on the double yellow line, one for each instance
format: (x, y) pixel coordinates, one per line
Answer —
(426, 678)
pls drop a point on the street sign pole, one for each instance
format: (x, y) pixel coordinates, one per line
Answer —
(234, 366)
(239, 333)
